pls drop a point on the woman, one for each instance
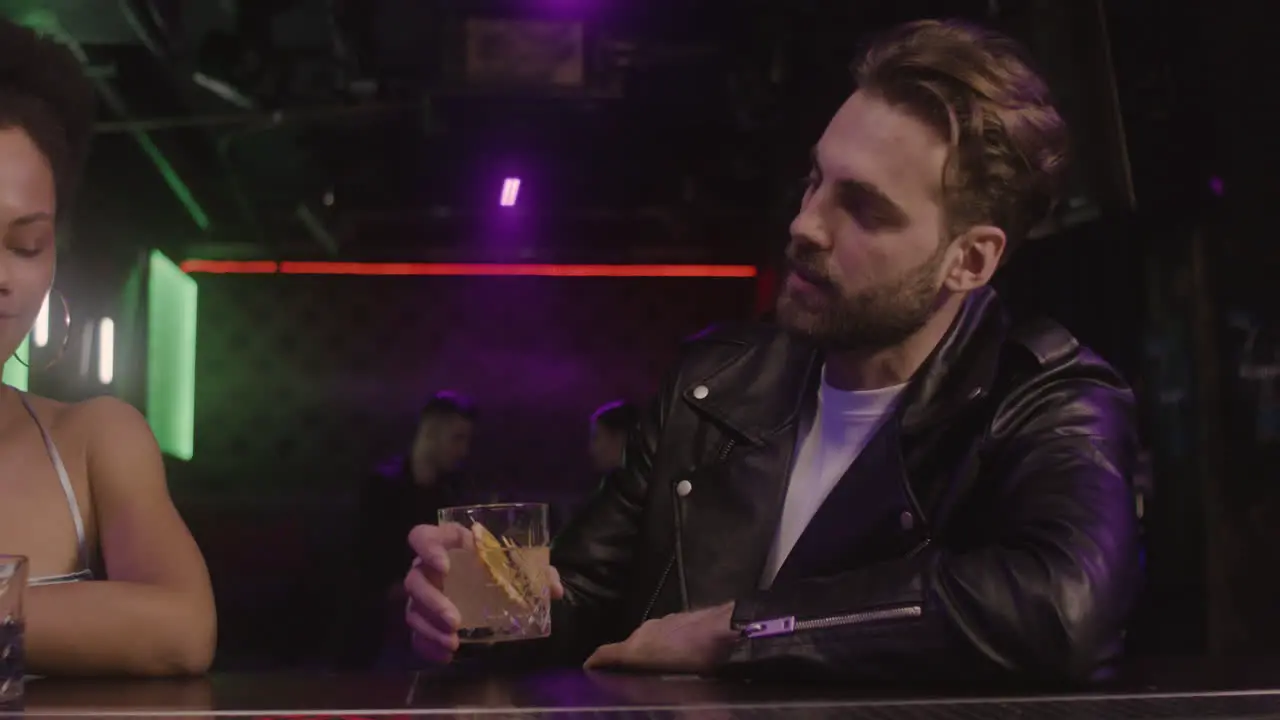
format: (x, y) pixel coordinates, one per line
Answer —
(118, 585)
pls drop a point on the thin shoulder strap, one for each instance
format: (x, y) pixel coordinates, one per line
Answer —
(63, 478)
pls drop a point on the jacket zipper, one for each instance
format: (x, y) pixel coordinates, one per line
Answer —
(920, 548)
(658, 590)
(789, 625)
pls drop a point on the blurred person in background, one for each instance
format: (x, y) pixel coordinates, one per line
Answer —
(895, 482)
(408, 491)
(118, 585)
(606, 445)
(610, 425)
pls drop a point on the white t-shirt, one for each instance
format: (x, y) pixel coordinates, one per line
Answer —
(845, 421)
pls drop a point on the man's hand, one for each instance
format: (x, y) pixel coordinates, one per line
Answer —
(432, 618)
(692, 642)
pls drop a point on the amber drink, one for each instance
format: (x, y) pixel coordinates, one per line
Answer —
(499, 582)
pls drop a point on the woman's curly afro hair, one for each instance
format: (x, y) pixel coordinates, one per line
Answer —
(44, 91)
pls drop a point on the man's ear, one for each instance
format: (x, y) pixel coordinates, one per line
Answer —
(975, 256)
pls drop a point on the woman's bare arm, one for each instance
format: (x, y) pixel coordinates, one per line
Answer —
(154, 614)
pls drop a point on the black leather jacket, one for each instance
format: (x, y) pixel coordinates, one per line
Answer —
(990, 532)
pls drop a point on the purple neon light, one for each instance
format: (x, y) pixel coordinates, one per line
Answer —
(510, 191)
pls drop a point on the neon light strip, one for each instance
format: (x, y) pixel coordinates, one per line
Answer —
(233, 267)
(510, 191)
(172, 311)
(46, 21)
(16, 373)
(106, 351)
(267, 267)
(40, 333)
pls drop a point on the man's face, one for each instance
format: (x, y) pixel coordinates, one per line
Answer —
(27, 207)
(442, 443)
(868, 251)
(606, 448)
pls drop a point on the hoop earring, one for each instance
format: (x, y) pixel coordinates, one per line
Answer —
(66, 334)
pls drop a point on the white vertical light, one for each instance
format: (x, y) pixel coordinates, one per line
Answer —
(106, 350)
(510, 192)
(40, 333)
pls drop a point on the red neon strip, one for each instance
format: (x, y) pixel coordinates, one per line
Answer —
(239, 267)
(469, 269)
(521, 270)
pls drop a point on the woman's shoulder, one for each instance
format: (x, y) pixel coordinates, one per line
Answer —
(92, 421)
(96, 409)
(46, 408)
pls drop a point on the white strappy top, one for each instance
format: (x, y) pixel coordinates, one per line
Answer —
(85, 571)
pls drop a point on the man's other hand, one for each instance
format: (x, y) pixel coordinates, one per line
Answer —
(690, 642)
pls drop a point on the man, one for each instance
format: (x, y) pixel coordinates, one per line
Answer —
(606, 449)
(610, 424)
(408, 492)
(897, 484)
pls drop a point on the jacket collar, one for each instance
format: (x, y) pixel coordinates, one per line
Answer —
(767, 385)
(762, 389)
(962, 367)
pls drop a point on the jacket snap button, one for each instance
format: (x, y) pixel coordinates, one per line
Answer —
(701, 392)
(683, 488)
(907, 520)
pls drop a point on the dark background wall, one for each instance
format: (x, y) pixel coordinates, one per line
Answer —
(306, 382)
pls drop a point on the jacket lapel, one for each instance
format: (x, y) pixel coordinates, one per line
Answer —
(866, 518)
(962, 366)
(953, 383)
(730, 508)
(761, 391)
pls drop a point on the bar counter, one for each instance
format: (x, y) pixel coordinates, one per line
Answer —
(1169, 690)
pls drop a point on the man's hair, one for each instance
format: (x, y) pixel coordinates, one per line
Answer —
(448, 404)
(617, 416)
(978, 90)
(45, 92)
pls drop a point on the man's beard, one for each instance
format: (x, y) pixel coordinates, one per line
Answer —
(876, 318)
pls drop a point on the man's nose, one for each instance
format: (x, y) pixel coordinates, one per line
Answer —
(809, 228)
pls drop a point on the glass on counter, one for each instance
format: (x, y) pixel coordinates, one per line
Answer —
(13, 587)
(500, 582)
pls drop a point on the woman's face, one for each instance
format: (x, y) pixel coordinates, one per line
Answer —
(28, 207)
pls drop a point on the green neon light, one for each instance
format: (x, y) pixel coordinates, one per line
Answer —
(46, 22)
(15, 373)
(171, 356)
(40, 20)
(172, 179)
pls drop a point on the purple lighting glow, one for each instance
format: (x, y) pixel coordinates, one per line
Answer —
(510, 191)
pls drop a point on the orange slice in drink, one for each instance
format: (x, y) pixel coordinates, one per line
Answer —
(494, 556)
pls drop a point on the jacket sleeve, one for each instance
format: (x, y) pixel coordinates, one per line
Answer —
(1046, 597)
(595, 552)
